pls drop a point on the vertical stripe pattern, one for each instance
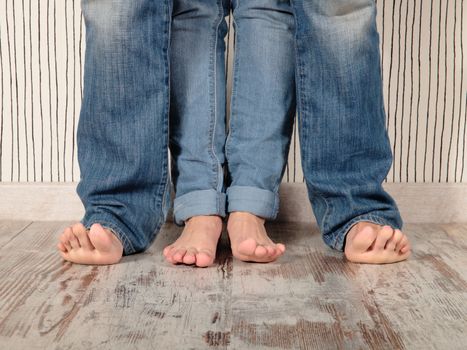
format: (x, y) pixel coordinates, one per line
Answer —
(423, 68)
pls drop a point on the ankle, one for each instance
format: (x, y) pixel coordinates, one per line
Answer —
(209, 220)
(245, 216)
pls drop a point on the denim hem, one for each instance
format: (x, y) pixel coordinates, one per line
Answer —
(200, 202)
(255, 200)
(108, 221)
(338, 240)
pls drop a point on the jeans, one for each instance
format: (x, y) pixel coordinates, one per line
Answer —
(345, 148)
(123, 130)
(255, 149)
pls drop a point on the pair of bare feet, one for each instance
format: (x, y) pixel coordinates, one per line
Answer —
(249, 240)
(366, 242)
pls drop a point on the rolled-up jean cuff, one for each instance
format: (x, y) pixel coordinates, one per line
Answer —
(260, 202)
(338, 241)
(110, 222)
(201, 202)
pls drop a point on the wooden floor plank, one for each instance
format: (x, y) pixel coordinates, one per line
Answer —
(11, 228)
(51, 302)
(314, 299)
(311, 298)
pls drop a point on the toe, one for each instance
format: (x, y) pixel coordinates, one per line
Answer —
(190, 257)
(204, 259)
(68, 246)
(360, 239)
(61, 247)
(261, 251)
(179, 254)
(169, 258)
(65, 240)
(247, 247)
(167, 250)
(103, 240)
(404, 241)
(384, 235)
(404, 253)
(406, 248)
(393, 241)
(280, 247)
(271, 251)
(83, 238)
(64, 255)
(74, 241)
(390, 244)
(78, 227)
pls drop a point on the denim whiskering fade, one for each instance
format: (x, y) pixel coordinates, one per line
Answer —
(345, 148)
(122, 132)
(255, 149)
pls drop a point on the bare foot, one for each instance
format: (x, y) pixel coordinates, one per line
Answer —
(198, 242)
(249, 239)
(97, 246)
(370, 243)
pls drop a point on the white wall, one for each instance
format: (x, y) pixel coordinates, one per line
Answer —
(424, 70)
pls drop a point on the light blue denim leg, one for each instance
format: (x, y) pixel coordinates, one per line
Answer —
(345, 149)
(197, 131)
(122, 132)
(263, 105)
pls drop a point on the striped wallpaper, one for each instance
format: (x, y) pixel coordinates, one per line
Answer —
(423, 65)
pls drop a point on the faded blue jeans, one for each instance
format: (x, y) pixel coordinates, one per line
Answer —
(123, 131)
(255, 149)
(345, 148)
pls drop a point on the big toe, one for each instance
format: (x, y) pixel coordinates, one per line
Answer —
(204, 259)
(102, 239)
(248, 247)
(362, 240)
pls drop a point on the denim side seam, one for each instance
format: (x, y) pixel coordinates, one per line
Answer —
(165, 178)
(233, 96)
(276, 206)
(164, 208)
(337, 241)
(328, 207)
(299, 80)
(213, 95)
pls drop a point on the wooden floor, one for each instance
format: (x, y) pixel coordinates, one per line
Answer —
(309, 299)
